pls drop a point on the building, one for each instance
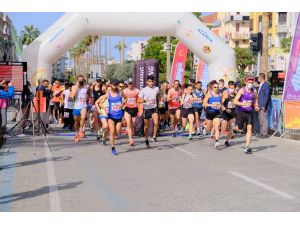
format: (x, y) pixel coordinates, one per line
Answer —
(59, 68)
(281, 25)
(136, 50)
(9, 42)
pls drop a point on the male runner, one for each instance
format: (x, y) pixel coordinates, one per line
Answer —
(199, 93)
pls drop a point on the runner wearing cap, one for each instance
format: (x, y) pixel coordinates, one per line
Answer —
(228, 114)
(212, 103)
(174, 104)
(246, 101)
(131, 108)
(149, 96)
(97, 93)
(198, 92)
(115, 112)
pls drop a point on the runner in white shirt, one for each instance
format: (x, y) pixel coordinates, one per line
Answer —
(149, 96)
(68, 107)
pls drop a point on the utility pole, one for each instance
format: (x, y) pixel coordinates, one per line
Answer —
(259, 53)
(168, 50)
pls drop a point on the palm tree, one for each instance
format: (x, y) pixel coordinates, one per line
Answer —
(265, 31)
(121, 46)
(29, 34)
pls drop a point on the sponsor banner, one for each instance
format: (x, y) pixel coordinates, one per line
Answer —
(274, 121)
(144, 68)
(292, 115)
(179, 61)
(292, 81)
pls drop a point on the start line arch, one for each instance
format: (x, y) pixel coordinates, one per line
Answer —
(72, 27)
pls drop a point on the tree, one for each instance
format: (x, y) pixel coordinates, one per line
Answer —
(29, 34)
(285, 44)
(121, 46)
(119, 71)
(265, 31)
(244, 58)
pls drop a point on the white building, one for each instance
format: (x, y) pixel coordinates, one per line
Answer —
(136, 50)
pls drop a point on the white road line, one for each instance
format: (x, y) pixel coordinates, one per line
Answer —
(53, 190)
(185, 151)
(262, 185)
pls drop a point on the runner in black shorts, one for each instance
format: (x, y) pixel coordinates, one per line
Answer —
(198, 92)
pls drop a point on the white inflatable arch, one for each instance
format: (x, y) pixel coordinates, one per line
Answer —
(72, 27)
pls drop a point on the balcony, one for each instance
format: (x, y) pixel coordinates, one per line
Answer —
(237, 36)
(236, 18)
(282, 28)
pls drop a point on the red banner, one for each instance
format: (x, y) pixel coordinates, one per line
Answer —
(200, 70)
(178, 66)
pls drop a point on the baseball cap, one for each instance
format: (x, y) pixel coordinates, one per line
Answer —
(114, 82)
(130, 81)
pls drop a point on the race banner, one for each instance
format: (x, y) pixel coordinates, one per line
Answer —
(202, 73)
(274, 121)
(144, 68)
(179, 61)
(292, 81)
(200, 69)
(291, 115)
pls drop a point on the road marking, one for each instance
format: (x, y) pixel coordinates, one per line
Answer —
(262, 185)
(185, 151)
(53, 190)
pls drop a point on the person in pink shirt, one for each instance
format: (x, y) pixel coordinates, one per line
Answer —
(131, 108)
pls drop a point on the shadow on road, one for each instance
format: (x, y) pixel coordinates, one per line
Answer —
(38, 192)
(33, 162)
(261, 148)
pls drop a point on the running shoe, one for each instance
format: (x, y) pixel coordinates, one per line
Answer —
(103, 142)
(190, 137)
(81, 134)
(227, 143)
(198, 131)
(76, 139)
(217, 144)
(114, 151)
(131, 143)
(204, 132)
(248, 150)
(154, 139)
(174, 134)
(147, 143)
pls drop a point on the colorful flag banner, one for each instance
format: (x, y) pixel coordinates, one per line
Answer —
(179, 61)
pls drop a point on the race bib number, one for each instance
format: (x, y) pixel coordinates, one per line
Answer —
(66, 114)
(248, 102)
(176, 99)
(231, 105)
(199, 100)
(217, 105)
(82, 100)
(116, 106)
(131, 101)
(150, 102)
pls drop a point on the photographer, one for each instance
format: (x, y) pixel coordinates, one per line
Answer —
(7, 91)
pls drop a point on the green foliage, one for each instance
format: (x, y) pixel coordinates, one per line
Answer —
(285, 44)
(244, 58)
(119, 72)
(29, 34)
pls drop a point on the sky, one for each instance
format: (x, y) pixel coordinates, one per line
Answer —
(43, 20)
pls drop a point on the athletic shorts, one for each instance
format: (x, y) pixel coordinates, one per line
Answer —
(77, 112)
(103, 117)
(173, 111)
(199, 110)
(115, 120)
(185, 112)
(56, 105)
(147, 113)
(162, 111)
(228, 116)
(244, 117)
(211, 115)
(132, 111)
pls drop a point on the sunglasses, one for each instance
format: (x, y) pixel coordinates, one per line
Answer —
(215, 87)
(121, 86)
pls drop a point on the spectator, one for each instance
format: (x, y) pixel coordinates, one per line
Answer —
(222, 87)
(264, 99)
(7, 91)
(57, 90)
(47, 95)
(25, 98)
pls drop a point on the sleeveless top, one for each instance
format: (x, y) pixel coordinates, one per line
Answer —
(81, 98)
(103, 112)
(246, 97)
(132, 97)
(114, 106)
(228, 103)
(214, 100)
(97, 94)
(175, 99)
(187, 101)
(69, 103)
(199, 95)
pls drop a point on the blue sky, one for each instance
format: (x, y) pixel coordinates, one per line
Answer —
(43, 20)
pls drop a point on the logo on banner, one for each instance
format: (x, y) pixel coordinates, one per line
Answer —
(206, 49)
(204, 34)
(55, 35)
(142, 76)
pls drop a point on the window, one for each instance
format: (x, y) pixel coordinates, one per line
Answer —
(237, 27)
(237, 44)
(251, 24)
(237, 13)
(270, 20)
(282, 17)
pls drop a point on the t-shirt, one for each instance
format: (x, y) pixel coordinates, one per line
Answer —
(3, 103)
(174, 103)
(187, 101)
(68, 103)
(56, 90)
(132, 96)
(150, 97)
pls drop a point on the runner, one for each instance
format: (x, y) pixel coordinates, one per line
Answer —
(163, 106)
(103, 116)
(97, 93)
(149, 96)
(80, 93)
(212, 103)
(57, 90)
(228, 114)
(246, 101)
(174, 104)
(199, 93)
(187, 110)
(115, 112)
(131, 108)
(68, 107)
